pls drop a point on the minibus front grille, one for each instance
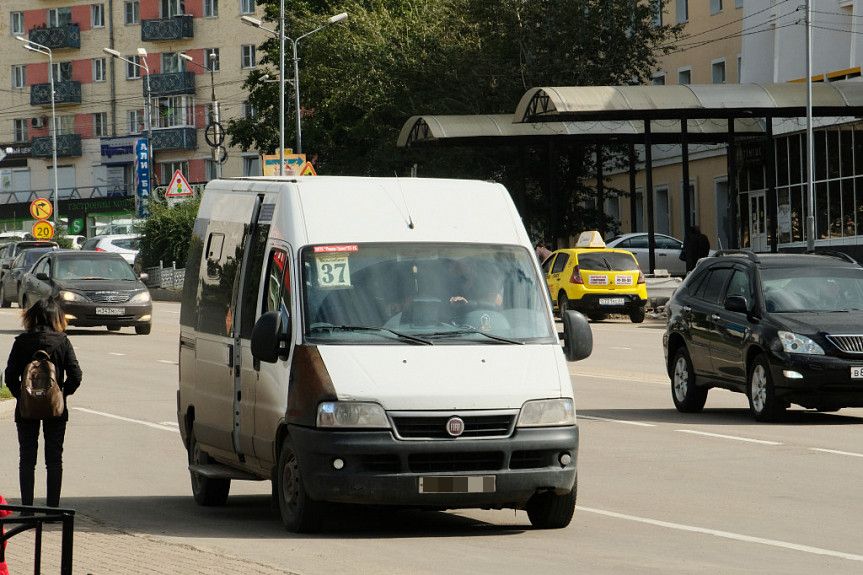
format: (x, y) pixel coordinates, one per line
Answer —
(434, 425)
(455, 462)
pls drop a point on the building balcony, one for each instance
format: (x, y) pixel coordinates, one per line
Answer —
(171, 84)
(68, 36)
(184, 138)
(176, 28)
(68, 145)
(64, 93)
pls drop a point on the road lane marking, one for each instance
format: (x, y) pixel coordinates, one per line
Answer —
(168, 361)
(619, 347)
(726, 534)
(734, 437)
(128, 419)
(169, 423)
(627, 422)
(116, 353)
(837, 452)
(619, 378)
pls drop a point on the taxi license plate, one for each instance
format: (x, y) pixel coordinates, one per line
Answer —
(857, 372)
(458, 484)
(110, 311)
(612, 301)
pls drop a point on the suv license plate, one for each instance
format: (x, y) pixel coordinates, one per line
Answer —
(110, 311)
(857, 372)
(457, 484)
(612, 301)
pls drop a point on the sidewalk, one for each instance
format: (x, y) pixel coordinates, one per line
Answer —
(100, 549)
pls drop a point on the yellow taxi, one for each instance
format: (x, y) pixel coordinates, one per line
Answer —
(596, 280)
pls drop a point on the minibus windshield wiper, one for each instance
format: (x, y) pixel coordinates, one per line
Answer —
(464, 330)
(404, 336)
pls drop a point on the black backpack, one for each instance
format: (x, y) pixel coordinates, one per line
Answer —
(41, 396)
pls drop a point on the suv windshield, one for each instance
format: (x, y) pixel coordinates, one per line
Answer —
(607, 261)
(789, 290)
(423, 293)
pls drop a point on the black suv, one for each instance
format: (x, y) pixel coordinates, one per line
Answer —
(782, 328)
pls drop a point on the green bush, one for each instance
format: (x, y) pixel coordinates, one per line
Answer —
(167, 233)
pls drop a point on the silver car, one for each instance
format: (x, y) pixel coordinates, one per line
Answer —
(667, 251)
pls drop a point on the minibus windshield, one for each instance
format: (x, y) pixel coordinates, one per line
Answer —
(424, 294)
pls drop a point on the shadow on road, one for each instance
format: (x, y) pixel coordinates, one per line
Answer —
(253, 517)
(721, 416)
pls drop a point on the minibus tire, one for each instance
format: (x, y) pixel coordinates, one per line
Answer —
(299, 512)
(207, 491)
(551, 511)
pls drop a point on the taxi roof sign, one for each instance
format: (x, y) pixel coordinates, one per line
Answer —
(590, 239)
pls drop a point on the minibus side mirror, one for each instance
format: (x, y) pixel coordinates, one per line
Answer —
(267, 337)
(577, 337)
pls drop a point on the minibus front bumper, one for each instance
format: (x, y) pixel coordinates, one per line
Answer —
(373, 467)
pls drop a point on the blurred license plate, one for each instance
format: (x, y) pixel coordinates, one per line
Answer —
(110, 311)
(612, 301)
(458, 484)
(857, 372)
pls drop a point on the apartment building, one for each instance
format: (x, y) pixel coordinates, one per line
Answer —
(100, 100)
(709, 53)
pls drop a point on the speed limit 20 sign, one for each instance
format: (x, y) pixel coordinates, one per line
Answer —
(43, 230)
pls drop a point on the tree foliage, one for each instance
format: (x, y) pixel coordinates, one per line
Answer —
(361, 80)
(167, 233)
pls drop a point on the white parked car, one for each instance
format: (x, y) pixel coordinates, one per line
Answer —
(77, 241)
(124, 244)
(667, 251)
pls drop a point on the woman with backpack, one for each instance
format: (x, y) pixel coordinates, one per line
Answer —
(41, 372)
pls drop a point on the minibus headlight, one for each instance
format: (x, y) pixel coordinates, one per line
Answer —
(352, 414)
(547, 413)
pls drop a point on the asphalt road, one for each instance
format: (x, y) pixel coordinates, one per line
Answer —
(659, 491)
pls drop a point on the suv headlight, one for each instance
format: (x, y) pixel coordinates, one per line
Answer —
(71, 296)
(547, 413)
(352, 414)
(796, 343)
(141, 297)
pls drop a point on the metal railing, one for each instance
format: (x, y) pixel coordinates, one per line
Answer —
(73, 193)
(171, 83)
(35, 518)
(175, 28)
(166, 278)
(57, 37)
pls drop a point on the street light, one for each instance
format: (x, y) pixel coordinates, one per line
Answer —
(42, 49)
(214, 113)
(294, 45)
(142, 53)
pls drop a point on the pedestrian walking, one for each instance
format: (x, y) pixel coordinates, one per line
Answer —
(542, 252)
(44, 341)
(696, 245)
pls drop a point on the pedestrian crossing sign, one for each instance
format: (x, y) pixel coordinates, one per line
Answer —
(179, 187)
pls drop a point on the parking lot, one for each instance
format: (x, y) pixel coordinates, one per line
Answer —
(659, 491)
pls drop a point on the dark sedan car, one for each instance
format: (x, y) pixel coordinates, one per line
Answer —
(10, 251)
(782, 328)
(11, 281)
(94, 289)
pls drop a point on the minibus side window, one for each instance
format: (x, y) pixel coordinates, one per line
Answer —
(189, 309)
(224, 259)
(252, 287)
(277, 296)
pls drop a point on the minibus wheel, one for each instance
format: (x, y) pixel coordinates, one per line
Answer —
(300, 513)
(207, 491)
(551, 511)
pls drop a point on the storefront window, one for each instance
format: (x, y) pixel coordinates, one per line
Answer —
(782, 161)
(820, 155)
(797, 219)
(832, 153)
(846, 142)
(835, 207)
(821, 207)
(783, 215)
(848, 225)
(795, 160)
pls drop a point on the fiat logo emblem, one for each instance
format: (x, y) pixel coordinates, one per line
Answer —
(455, 426)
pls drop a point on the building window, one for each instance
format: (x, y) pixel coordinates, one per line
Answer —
(19, 75)
(211, 8)
(98, 69)
(136, 121)
(132, 12)
(248, 110)
(171, 8)
(684, 76)
(133, 67)
(16, 23)
(59, 17)
(98, 15)
(65, 125)
(659, 79)
(62, 71)
(167, 169)
(20, 130)
(252, 165)
(212, 59)
(174, 111)
(100, 124)
(247, 56)
(247, 6)
(718, 70)
(682, 11)
(171, 63)
(715, 6)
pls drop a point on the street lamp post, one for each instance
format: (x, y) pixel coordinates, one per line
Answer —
(42, 49)
(142, 53)
(294, 45)
(215, 117)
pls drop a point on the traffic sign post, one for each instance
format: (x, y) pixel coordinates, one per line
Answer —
(41, 209)
(42, 230)
(179, 189)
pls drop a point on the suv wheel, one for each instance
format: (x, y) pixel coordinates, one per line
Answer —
(688, 397)
(562, 304)
(762, 394)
